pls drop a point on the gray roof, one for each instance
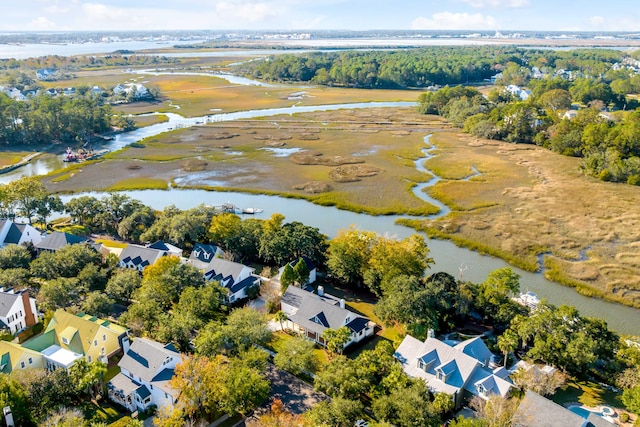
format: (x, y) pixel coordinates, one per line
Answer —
(145, 360)
(536, 411)
(123, 383)
(140, 255)
(475, 348)
(462, 371)
(57, 240)
(219, 267)
(317, 313)
(7, 300)
(14, 235)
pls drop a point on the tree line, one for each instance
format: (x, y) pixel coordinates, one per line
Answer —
(45, 119)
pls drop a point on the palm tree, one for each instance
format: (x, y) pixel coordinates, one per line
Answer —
(281, 316)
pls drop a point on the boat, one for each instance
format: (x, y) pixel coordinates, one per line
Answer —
(251, 211)
(82, 155)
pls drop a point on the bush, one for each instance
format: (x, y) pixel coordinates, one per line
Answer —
(605, 175)
(624, 417)
(633, 180)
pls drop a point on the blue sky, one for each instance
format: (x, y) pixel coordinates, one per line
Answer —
(558, 15)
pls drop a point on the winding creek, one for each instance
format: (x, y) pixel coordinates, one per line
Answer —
(460, 262)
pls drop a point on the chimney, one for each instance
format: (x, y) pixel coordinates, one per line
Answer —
(29, 315)
(341, 302)
(320, 291)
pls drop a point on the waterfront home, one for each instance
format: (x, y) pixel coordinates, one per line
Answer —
(168, 248)
(460, 371)
(18, 234)
(46, 74)
(145, 371)
(203, 254)
(311, 314)
(57, 240)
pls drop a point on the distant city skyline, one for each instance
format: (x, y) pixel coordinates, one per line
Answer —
(486, 15)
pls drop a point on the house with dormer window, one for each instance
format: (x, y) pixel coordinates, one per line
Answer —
(145, 371)
(236, 278)
(311, 314)
(460, 371)
(138, 257)
(203, 254)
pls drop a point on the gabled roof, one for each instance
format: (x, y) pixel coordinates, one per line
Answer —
(204, 253)
(14, 235)
(536, 411)
(249, 281)
(81, 328)
(225, 269)
(461, 370)
(310, 264)
(145, 359)
(475, 348)
(7, 300)
(57, 240)
(140, 256)
(317, 313)
(10, 355)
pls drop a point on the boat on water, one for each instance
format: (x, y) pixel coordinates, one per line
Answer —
(82, 155)
(251, 211)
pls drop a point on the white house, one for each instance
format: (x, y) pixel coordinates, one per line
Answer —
(168, 248)
(145, 371)
(17, 310)
(137, 257)
(12, 233)
(233, 276)
(311, 314)
(461, 371)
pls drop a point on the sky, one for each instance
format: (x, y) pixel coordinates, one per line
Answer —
(498, 15)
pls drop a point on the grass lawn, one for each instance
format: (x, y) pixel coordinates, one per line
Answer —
(587, 393)
(111, 243)
(280, 338)
(101, 412)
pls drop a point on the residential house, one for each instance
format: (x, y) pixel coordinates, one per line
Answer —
(460, 371)
(537, 411)
(14, 356)
(69, 337)
(311, 314)
(311, 268)
(17, 310)
(202, 255)
(138, 90)
(145, 371)
(233, 276)
(57, 240)
(137, 257)
(523, 94)
(69, 91)
(12, 233)
(46, 74)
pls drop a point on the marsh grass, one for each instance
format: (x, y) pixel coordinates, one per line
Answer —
(139, 184)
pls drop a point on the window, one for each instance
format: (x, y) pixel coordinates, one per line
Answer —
(65, 340)
(104, 338)
(30, 361)
(22, 365)
(89, 359)
(95, 343)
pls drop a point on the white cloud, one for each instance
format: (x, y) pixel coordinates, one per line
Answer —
(481, 4)
(455, 21)
(41, 24)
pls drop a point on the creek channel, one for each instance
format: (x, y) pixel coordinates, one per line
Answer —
(459, 262)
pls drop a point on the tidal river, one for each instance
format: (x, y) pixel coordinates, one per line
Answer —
(459, 262)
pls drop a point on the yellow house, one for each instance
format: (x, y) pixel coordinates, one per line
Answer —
(14, 356)
(69, 337)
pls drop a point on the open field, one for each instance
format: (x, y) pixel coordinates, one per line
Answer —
(355, 159)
